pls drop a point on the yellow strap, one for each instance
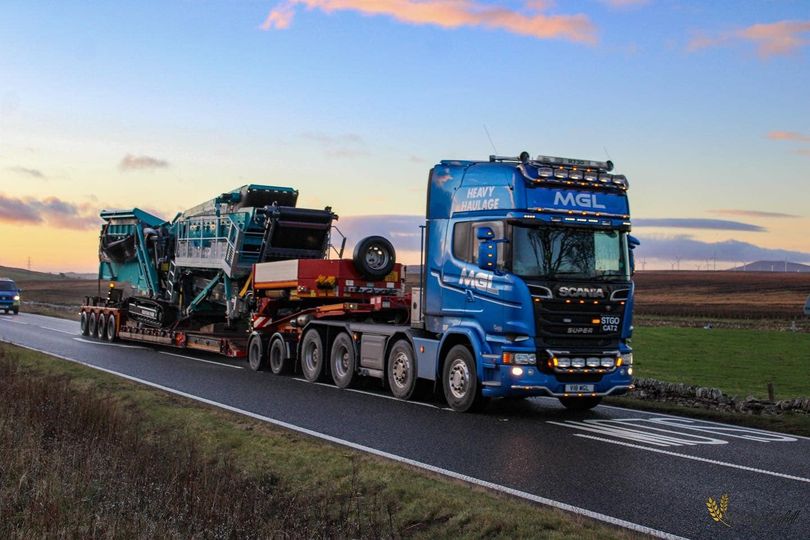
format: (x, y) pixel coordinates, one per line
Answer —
(248, 283)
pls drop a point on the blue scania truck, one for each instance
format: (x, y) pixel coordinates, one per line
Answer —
(527, 281)
(525, 287)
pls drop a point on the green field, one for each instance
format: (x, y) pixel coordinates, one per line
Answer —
(740, 362)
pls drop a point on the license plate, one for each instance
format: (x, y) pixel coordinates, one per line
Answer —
(579, 388)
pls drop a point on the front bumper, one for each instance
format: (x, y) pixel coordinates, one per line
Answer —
(501, 381)
(9, 303)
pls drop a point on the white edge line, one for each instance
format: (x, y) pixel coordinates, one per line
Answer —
(696, 458)
(367, 449)
(373, 394)
(57, 330)
(201, 360)
(122, 346)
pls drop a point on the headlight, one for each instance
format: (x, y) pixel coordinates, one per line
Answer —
(525, 358)
(627, 359)
(564, 362)
(16, 297)
(607, 361)
(578, 362)
(592, 361)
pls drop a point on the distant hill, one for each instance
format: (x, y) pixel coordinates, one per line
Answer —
(20, 274)
(771, 266)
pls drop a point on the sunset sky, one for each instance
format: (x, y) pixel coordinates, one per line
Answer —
(705, 106)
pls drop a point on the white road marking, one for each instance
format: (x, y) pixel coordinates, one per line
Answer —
(651, 431)
(656, 413)
(614, 428)
(201, 360)
(108, 344)
(401, 459)
(57, 330)
(13, 321)
(697, 458)
(374, 394)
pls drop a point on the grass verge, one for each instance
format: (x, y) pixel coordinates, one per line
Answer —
(85, 453)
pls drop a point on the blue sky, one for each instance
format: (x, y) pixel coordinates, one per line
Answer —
(702, 105)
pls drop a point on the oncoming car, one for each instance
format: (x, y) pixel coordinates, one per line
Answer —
(9, 296)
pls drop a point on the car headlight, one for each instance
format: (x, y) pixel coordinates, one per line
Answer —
(525, 358)
(564, 362)
(626, 359)
(16, 297)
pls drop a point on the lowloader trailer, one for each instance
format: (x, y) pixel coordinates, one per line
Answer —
(525, 290)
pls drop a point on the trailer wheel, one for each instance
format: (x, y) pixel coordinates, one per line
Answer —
(91, 324)
(374, 257)
(401, 370)
(580, 403)
(111, 333)
(460, 382)
(343, 360)
(84, 323)
(101, 326)
(256, 356)
(312, 355)
(279, 359)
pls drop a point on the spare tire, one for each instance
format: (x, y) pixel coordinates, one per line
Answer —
(374, 257)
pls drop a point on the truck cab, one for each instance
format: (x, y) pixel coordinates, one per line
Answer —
(528, 266)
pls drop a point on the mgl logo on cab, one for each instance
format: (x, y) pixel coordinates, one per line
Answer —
(582, 200)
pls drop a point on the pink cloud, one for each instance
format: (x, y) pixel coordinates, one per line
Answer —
(770, 39)
(49, 210)
(788, 136)
(451, 14)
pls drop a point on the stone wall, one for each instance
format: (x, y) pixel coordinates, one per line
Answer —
(714, 398)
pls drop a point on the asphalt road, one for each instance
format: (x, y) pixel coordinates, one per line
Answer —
(637, 469)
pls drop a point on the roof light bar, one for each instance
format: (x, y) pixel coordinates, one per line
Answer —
(570, 162)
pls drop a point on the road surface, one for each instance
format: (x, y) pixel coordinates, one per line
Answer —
(647, 471)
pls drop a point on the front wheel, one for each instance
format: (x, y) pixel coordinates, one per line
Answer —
(256, 357)
(401, 370)
(16, 311)
(343, 360)
(460, 381)
(312, 355)
(580, 403)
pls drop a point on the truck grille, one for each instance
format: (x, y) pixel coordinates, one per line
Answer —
(571, 324)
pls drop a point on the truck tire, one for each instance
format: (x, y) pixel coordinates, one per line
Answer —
(101, 326)
(256, 356)
(374, 257)
(312, 355)
(277, 354)
(401, 370)
(91, 324)
(84, 323)
(15, 310)
(460, 381)
(584, 403)
(343, 360)
(111, 333)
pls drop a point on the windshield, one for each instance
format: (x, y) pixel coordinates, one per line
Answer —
(569, 253)
(7, 286)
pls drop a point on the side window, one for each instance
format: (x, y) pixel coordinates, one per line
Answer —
(462, 241)
(465, 241)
